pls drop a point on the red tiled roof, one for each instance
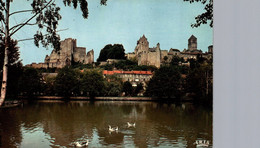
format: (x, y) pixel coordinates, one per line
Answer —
(107, 72)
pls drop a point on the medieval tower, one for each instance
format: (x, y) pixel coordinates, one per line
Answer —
(146, 55)
(192, 43)
(68, 53)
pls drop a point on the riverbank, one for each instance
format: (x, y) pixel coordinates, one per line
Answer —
(106, 98)
(96, 98)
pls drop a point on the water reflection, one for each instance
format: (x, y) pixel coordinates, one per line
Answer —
(55, 124)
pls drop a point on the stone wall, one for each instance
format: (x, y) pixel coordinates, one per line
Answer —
(79, 54)
(90, 57)
(164, 53)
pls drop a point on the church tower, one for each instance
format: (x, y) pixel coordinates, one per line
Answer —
(192, 43)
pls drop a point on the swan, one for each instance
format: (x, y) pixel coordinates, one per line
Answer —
(130, 124)
(112, 129)
(201, 143)
(77, 144)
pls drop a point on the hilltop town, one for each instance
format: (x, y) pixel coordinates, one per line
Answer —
(143, 54)
(156, 56)
(136, 70)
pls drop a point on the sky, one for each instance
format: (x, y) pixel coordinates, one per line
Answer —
(167, 22)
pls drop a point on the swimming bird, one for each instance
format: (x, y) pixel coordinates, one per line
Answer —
(200, 143)
(77, 144)
(112, 129)
(130, 124)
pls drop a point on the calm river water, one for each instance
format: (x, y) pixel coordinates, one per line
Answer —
(46, 124)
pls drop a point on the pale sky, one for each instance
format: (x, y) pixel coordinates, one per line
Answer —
(120, 22)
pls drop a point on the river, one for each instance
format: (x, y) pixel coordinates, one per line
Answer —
(43, 124)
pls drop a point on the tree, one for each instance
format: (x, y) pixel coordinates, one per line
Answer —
(15, 67)
(46, 15)
(127, 88)
(30, 82)
(113, 88)
(199, 81)
(49, 85)
(115, 51)
(66, 82)
(166, 82)
(176, 60)
(93, 83)
(206, 16)
(138, 89)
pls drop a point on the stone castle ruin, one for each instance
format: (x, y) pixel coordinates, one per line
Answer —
(68, 53)
(155, 56)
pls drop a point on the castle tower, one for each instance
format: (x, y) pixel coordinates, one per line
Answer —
(141, 50)
(142, 45)
(210, 49)
(158, 46)
(192, 43)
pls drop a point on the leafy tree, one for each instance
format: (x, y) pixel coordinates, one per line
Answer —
(45, 15)
(66, 82)
(82, 66)
(115, 51)
(125, 64)
(138, 89)
(49, 86)
(206, 16)
(166, 82)
(107, 67)
(15, 73)
(30, 82)
(127, 88)
(92, 83)
(15, 67)
(113, 89)
(176, 60)
(199, 81)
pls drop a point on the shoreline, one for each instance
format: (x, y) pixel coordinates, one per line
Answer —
(103, 98)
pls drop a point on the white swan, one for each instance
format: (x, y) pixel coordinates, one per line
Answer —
(112, 129)
(77, 144)
(130, 124)
(200, 143)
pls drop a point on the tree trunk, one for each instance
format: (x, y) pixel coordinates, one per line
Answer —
(4, 81)
(5, 66)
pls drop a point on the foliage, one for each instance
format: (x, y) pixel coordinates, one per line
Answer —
(49, 86)
(15, 72)
(15, 67)
(165, 83)
(115, 51)
(82, 66)
(206, 16)
(128, 65)
(47, 70)
(92, 83)
(125, 64)
(127, 88)
(47, 16)
(113, 89)
(138, 89)
(13, 54)
(199, 81)
(66, 82)
(176, 60)
(107, 67)
(30, 82)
